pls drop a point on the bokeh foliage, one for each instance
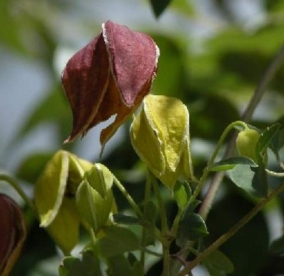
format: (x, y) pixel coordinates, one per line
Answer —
(214, 76)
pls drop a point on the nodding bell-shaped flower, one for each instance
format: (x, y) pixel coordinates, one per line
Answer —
(109, 76)
(69, 192)
(160, 136)
(12, 233)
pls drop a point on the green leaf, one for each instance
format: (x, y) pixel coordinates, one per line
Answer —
(119, 265)
(159, 6)
(260, 181)
(230, 163)
(218, 264)
(118, 240)
(265, 140)
(89, 265)
(124, 219)
(192, 227)
(251, 179)
(182, 193)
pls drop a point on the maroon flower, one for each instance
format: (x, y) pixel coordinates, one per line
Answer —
(12, 233)
(110, 76)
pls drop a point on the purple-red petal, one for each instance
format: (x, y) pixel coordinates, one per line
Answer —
(85, 80)
(133, 57)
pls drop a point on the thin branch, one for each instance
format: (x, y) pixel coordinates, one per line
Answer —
(221, 240)
(246, 117)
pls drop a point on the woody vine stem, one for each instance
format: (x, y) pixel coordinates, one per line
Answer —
(218, 177)
(246, 117)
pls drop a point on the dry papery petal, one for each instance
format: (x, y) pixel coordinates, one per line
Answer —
(133, 56)
(110, 76)
(85, 80)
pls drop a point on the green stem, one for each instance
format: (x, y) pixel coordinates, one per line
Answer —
(135, 206)
(231, 232)
(166, 259)
(13, 183)
(164, 223)
(152, 252)
(205, 207)
(214, 155)
(145, 230)
(175, 224)
(128, 197)
(165, 228)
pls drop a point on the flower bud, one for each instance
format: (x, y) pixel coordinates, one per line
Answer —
(110, 76)
(55, 198)
(94, 197)
(12, 233)
(160, 136)
(246, 143)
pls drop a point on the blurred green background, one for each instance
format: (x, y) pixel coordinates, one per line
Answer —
(213, 54)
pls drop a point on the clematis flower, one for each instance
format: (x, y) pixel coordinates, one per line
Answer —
(160, 136)
(70, 192)
(109, 76)
(12, 233)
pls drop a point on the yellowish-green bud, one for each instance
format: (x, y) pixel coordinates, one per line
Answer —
(160, 136)
(246, 143)
(55, 198)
